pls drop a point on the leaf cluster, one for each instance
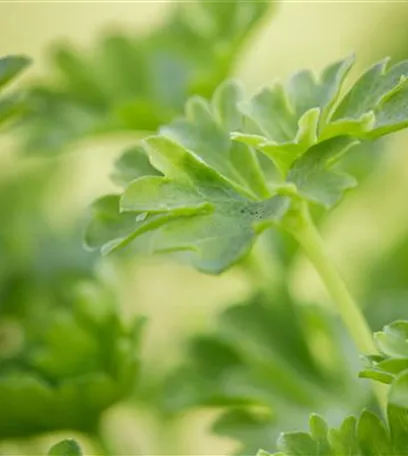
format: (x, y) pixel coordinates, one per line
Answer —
(368, 434)
(212, 181)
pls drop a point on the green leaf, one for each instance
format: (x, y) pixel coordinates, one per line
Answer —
(227, 218)
(285, 153)
(11, 104)
(297, 444)
(67, 447)
(392, 361)
(10, 67)
(131, 165)
(313, 179)
(372, 435)
(367, 436)
(386, 370)
(287, 118)
(221, 238)
(216, 194)
(204, 131)
(398, 413)
(159, 194)
(378, 375)
(344, 439)
(258, 366)
(393, 339)
(110, 229)
(306, 93)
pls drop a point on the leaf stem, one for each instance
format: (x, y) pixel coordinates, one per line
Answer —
(308, 237)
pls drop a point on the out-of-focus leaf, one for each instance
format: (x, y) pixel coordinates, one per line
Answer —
(69, 366)
(11, 104)
(139, 82)
(10, 67)
(65, 355)
(258, 367)
(67, 447)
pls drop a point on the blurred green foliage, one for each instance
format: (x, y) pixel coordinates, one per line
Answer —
(260, 366)
(139, 82)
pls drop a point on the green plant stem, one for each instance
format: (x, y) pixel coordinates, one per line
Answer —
(308, 237)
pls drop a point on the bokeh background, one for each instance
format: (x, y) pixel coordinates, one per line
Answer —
(367, 234)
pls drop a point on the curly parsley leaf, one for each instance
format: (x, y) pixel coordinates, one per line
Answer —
(201, 210)
(212, 183)
(284, 120)
(139, 82)
(392, 343)
(368, 435)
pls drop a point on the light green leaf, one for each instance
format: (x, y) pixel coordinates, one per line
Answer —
(201, 132)
(132, 164)
(393, 339)
(220, 239)
(297, 444)
(305, 92)
(159, 194)
(212, 217)
(399, 391)
(213, 178)
(312, 177)
(287, 119)
(67, 447)
(344, 439)
(376, 374)
(366, 94)
(109, 229)
(226, 100)
(375, 104)
(372, 435)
